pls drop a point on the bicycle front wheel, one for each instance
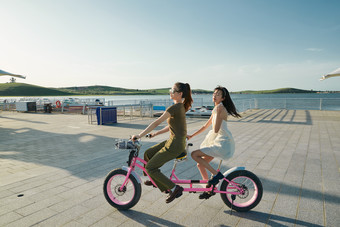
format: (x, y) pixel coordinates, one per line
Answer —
(245, 199)
(118, 197)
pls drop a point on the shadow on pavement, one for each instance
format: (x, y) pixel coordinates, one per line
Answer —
(146, 219)
(271, 219)
(93, 156)
(18, 119)
(278, 116)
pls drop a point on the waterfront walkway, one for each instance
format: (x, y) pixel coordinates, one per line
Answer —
(52, 168)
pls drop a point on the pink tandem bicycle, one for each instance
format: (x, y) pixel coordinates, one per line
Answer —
(240, 189)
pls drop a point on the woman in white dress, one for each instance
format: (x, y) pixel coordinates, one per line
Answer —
(219, 141)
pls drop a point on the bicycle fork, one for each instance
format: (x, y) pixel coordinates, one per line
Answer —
(131, 168)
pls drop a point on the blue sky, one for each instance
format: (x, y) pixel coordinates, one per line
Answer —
(244, 44)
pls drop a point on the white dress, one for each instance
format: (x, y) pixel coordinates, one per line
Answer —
(220, 144)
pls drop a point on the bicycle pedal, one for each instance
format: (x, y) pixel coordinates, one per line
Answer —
(206, 195)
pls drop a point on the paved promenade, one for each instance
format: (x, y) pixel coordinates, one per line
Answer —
(52, 168)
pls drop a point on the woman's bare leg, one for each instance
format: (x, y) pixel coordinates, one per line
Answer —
(203, 163)
(202, 169)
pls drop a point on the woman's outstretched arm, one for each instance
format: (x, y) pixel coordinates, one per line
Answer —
(163, 130)
(204, 127)
(153, 125)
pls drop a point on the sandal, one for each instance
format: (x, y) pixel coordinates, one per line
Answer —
(216, 179)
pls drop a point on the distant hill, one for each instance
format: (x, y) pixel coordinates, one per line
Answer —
(106, 90)
(22, 89)
(276, 91)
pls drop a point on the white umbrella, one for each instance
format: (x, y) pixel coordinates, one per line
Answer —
(3, 73)
(332, 74)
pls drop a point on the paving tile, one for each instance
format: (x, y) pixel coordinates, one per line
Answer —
(9, 217)
(310, 218)
(33, 218)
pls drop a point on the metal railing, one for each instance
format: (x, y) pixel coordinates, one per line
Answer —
(297, 103)
(286, 103)
(131, 108)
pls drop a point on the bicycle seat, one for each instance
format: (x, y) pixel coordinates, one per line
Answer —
(183, 155)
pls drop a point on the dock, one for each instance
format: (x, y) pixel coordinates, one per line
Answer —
(52, 168)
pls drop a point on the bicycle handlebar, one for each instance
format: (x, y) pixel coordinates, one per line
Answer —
(131, 144)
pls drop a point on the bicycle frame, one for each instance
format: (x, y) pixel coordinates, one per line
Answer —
(176, 180)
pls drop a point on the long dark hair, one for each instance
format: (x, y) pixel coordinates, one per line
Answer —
(186, 94)
(227, 102)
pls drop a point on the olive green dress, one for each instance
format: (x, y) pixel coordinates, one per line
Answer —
(165, 151)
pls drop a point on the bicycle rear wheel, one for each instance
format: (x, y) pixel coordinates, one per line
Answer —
(252, 190)
(125, 198)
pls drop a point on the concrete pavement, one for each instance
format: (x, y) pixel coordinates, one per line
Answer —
(52, 168)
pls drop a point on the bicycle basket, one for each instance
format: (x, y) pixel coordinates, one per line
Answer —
(125, 145)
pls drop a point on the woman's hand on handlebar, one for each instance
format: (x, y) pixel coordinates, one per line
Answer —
(189, 137)
(135, 137)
